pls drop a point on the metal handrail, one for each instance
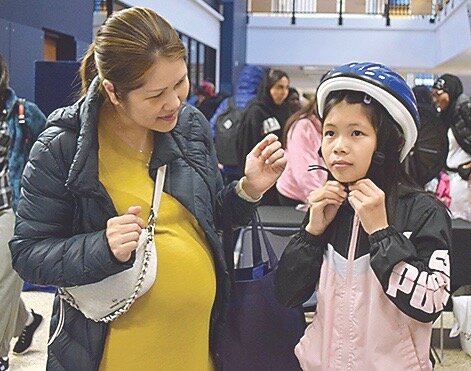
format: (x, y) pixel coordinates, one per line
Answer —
(385, 8)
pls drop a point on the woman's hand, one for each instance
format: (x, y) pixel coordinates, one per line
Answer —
(263, 166)
(122, 233)
(368, 200)
(324, 204)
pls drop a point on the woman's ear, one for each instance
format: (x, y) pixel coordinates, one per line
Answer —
(110, 91)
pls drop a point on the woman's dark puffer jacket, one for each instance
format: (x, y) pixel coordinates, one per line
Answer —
(60, 230)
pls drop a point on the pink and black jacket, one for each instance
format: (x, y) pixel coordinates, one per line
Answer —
(377, 295)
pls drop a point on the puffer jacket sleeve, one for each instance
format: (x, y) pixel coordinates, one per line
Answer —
(413, 267)
(299, 268)
(462, 127)
(44, 249)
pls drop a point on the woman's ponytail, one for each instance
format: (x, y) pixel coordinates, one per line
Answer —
(88, 69)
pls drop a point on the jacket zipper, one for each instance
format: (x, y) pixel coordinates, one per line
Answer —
(350, 260)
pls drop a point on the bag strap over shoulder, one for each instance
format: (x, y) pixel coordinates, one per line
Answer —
(158, 189)
(257, 227)
(21, 102)
(21, 111)
(231, 103)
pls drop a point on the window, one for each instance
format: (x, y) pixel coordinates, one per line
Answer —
(201, 61)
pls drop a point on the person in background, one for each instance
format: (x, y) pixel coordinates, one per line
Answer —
(206, 99)
(293, 100)
(250, 79)
(426, 162)
(373, 246)
(206, 89)
(455, 113)
(266, 114)
(81, 214)
(21, 122)
(209, 105)
(302, 137)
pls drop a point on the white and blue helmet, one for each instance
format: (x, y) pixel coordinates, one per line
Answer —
(384, 85)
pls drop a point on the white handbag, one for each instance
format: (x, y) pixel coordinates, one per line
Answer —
(106, 300)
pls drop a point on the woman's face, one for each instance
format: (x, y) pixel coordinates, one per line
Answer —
(349, 140)
(155, 105)
(441, 99)
(279, 91)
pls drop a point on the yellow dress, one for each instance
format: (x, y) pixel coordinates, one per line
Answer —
(168, 327)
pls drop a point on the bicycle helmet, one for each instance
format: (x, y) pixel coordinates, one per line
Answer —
(384, 85)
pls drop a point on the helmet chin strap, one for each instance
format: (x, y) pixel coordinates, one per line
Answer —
(376, 161)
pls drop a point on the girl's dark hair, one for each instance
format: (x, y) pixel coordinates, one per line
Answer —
(390, 140)
(4, 81)
(306, 111)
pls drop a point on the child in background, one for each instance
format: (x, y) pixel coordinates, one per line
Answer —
(302, 138)
(374, 247)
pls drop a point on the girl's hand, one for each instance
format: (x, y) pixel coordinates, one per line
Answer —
(263, 166)
(368, 200)
(324, 204)
(122, 233)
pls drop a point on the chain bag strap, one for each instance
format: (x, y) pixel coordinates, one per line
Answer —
(97, 300)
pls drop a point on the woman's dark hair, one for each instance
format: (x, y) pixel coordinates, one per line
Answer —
(272, 77)
(390, 140)
(4, 80)
(306, 111)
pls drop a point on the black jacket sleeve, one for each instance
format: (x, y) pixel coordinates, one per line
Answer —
(250, 131)
(413, 267)
(299, 268)
(461, 125)
(44, 249)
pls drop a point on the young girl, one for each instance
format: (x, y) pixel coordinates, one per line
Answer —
(373, 247)
(302, 138)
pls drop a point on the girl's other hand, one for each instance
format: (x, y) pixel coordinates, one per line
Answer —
(324, 204)
(122, 233)
(368, 200)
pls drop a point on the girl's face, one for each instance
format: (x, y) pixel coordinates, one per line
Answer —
(155, 105)
(279, 91)
(349, 140)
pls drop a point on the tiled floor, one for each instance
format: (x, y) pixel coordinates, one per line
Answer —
(35, 358)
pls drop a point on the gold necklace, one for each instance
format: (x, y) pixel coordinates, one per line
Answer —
(122, 133)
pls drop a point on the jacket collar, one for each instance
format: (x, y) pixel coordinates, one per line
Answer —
(83, 173)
